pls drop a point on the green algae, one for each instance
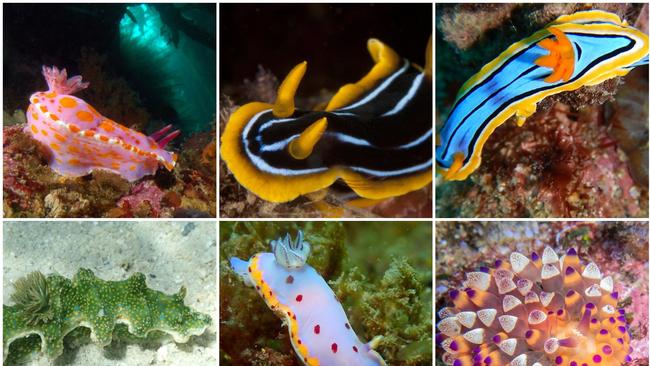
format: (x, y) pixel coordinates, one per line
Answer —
(381, 272)
(88, 307)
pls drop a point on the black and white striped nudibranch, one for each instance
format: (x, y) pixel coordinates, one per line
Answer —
(375, 135)
(535, 311)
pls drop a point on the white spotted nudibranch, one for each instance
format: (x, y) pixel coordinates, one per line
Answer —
(81, 140)
(546, 311)
(318, 327)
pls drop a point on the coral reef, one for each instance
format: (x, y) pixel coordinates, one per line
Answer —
(559, 164)
(383, 292)
(48, 309)
(619, 249)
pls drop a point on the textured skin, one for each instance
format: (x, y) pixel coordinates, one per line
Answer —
(127, 309)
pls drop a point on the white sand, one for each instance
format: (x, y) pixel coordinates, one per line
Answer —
(170, 254)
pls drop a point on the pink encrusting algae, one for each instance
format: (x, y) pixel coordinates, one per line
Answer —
(538, 310)
(81, 140)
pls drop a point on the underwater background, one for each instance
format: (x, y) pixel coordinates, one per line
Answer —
(260, 43)
(148, 65)
(381, 272)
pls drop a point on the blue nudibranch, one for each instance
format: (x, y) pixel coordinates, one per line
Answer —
(376, 135)
(318, 327)
(586, 48)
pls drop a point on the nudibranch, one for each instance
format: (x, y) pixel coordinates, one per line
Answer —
(47, 309)
(318, 327)
(81, 140)
(582, 49)
(375, 135)
(535, 311)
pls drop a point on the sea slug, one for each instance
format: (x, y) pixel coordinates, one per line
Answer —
(376, 135)
(318, 327)
(80, 140)
(535, 311)
(47, 309)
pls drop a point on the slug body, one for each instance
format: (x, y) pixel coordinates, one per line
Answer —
(81, 140)
(319, 329)
(535, 310)
(375, 135)
(582, 49)
(108, 309)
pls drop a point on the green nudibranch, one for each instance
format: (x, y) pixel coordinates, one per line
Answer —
(48, 309)
(581, 49)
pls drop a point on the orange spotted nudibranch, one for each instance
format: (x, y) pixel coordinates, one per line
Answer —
(82, 140)
(535, 311)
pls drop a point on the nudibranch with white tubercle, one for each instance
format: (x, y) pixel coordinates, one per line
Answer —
(535, 311)
(375, 135)
(318, 327)
(81, 140)
(581, 49)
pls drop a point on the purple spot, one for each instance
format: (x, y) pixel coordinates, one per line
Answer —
(534, 256)
(550, 312)
(453, 294)
(571, 251)
(614, 295)
(476, 350)
(488, 360)
(497, 263)
(439, 338)
(529, 333)
(569, 270)
(477, 364)
(484, 269)
(594, 320)
(612, 320)
(496, 339)
(457, 362)
(477, 358)
(471, 292)
(603, 331)
(621, 311)
(628, 358)
(560, 312)
(558, 360)
(597, 358)
(590, 305)
(620, 340)
(570, 293)
(621, 319)
(621, 329)
(573, 363)
(453, 346)
(607, 349)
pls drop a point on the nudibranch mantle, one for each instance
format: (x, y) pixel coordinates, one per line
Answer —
(375, 135)
(535, 310)
(81, 140)
(318, 327)
(50, 308)
(601, 47)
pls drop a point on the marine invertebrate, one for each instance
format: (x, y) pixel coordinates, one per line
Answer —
(49, 308)
(279, 152)
(535, 311)
(318, 327)
(582, 49)
(81, 140)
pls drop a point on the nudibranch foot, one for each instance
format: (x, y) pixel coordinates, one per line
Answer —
(581, 49)
(319, 330)
(280, 152)
(80, 140)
